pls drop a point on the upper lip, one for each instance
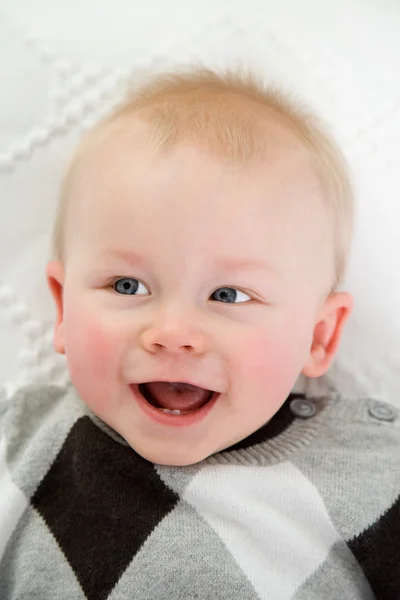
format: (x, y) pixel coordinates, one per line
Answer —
(178, 380)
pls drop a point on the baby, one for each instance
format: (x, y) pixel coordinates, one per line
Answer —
(201, 237)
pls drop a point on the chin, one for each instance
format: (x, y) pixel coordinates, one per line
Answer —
(172, 458)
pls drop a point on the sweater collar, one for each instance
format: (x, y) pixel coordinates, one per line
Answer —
(275, 441)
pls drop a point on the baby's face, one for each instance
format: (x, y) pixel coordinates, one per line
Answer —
(182, 267)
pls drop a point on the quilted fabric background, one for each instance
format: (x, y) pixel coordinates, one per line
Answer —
(64, 64)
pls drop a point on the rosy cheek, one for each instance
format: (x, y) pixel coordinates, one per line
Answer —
(268, 363)
(89, 345)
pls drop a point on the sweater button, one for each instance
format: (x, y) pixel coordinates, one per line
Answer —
(381, 411)
(303, 408)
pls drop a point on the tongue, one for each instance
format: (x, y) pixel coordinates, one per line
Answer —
(178, 396)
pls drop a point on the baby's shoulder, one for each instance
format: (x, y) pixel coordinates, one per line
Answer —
(364, 424)
(33, 413)
(32, 403)
(35, 423)
(364, 433)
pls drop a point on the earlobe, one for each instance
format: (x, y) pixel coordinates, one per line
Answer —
(55, 280)
(327, 333)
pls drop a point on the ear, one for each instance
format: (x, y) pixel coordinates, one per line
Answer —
(55, 279)
(327, 333)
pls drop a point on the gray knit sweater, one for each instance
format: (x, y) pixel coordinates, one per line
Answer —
(306, 508)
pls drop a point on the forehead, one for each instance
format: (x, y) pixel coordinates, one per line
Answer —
(195, 197)
(120, 157)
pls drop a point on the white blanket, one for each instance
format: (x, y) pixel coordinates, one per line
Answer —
(64, 63)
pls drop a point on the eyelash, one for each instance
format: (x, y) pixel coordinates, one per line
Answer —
(111, 283)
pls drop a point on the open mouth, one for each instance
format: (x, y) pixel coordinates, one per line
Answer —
(176, 398)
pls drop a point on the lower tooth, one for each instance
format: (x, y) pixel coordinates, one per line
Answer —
(172, 412)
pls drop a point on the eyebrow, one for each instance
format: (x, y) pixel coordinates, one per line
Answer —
(127, 256)
(225, 264)
(236, 264)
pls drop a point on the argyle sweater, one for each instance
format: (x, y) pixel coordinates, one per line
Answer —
(306, 508)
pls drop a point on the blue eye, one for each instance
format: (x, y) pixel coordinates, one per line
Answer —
(230, 295)
(129, 286)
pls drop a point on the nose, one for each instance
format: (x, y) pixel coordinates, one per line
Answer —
(175, 335)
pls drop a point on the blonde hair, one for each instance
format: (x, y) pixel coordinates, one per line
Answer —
(203, 105)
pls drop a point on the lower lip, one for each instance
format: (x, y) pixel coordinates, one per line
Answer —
(173, 420)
